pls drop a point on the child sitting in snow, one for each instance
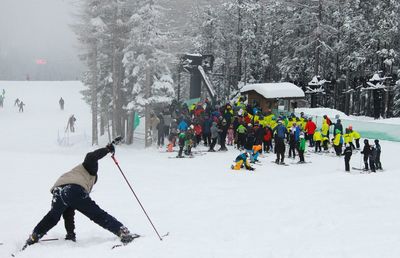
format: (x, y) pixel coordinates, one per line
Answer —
(242, 160)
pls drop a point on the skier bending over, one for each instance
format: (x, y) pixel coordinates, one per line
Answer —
(71, 191)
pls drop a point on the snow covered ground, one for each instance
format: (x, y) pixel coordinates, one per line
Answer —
(311, 210)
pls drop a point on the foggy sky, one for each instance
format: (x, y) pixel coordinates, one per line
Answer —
(33, 29)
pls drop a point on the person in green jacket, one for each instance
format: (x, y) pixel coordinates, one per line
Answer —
(241, 136)
(301, 147)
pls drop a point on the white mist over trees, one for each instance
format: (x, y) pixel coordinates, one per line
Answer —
(127, 63)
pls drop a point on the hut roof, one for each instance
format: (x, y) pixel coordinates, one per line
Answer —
(279, 90)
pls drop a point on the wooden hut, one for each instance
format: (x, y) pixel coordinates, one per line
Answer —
(273, 96)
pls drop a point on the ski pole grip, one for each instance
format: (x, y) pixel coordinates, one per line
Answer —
(115, 160)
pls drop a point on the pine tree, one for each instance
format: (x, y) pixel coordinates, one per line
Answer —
(144, 53)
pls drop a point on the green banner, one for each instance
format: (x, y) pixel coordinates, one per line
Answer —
(192, 101)
(136, 121)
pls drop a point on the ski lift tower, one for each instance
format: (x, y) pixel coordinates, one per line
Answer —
(198, 66)
(316, 88)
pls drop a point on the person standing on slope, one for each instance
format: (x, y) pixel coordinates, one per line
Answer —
(61, 102)
(301, 147)
(280, 135)
(71, 191)
(378, 148)
(348, 151)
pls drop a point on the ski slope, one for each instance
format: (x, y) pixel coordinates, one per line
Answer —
(311, 210)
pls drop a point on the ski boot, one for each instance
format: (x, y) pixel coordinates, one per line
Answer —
(125, 236)
(71, 236)
(33, 239)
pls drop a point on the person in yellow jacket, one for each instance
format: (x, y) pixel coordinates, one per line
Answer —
(273, 123)
(348, 138)
(338, 142)
(317, 137)
(356, 136)
(325, 135)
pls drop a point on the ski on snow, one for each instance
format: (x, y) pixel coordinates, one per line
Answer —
(25, 246)
(280, 164)
(135, 236)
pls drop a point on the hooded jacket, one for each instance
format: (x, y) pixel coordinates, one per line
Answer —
(84, 174)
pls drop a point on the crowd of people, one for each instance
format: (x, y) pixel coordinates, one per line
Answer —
(255, 131)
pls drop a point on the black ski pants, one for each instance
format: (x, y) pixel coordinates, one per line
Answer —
(213, 143)
(74, 196)
(301, 155)
(378, 163)
(347, 162)
(318, 146)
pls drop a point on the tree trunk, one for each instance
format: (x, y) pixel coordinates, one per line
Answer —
(239, 42)
(148, 136)
(94, 106)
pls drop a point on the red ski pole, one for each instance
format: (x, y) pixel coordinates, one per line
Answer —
(126, 180)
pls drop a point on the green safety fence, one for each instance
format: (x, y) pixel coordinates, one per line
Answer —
(375, 129)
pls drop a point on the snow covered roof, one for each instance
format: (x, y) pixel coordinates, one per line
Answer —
(275, 90)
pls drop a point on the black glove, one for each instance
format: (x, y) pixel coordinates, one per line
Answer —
(110, 148)
(117, 140)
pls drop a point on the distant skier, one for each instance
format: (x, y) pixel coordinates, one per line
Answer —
(372, 159)
(61, 102)
(325, 135)
(71, 124)
(338, 142)
(214, 136)
(378, 163)
(21, 106)
(71, 191)
(16, 103)
(280, 135)
(348, 151)
(310, 128)
(181, 143)
(294, 136)
(367, 152)
(160, 130)
(337, 128)
(189, 140)
(356, 136)
(301, 147)
(230, 135)
(1, 100)
(317, 137)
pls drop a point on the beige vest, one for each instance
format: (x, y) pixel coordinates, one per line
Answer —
(79, 176)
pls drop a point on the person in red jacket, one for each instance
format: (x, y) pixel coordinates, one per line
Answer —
(310, 129)
(267, 139)
(198, 131)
